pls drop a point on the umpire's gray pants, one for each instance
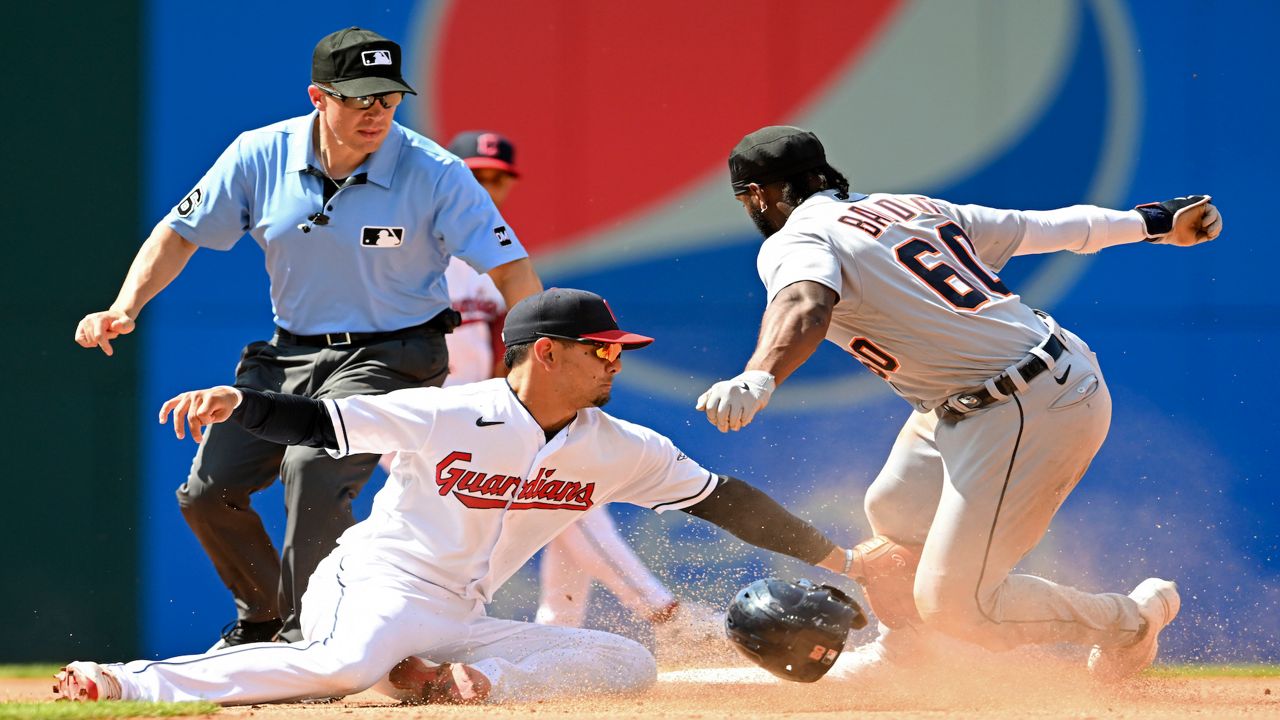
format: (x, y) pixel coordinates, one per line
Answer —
(231, 465)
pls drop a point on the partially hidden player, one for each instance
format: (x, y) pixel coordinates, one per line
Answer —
(357, 217)
(486, 474)
(593, 549)
(1010, 407)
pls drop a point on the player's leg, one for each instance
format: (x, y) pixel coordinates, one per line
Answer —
(319, 489)
(525, 662)
(900, 504)
(1009, 468)
(229, 466)
(359, 625)
(564, 587)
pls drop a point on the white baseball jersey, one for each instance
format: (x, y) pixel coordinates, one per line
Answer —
(471, 344)
(920, 304)
(476, 489)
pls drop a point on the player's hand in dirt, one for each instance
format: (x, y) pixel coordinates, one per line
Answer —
(101, 328)
(199, 409)
(1183, 221)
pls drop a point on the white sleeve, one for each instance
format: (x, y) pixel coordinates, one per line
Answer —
(665, 478)
(998, 235)
(791, 257)
(399, 421)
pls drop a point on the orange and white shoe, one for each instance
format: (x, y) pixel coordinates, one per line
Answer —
(86, 682)
(1158, 603)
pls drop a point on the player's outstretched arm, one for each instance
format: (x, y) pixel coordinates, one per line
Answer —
(278, 417)
(1084, 229)
(794, 324)
(753, 517)
(160, 259)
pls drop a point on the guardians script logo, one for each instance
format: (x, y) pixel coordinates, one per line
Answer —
(480, 490)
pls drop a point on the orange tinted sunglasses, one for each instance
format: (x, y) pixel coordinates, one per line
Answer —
(607, 352)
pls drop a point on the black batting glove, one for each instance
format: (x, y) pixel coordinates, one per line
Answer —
(1182, 221)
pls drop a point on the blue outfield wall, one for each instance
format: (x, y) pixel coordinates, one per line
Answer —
(1133, 102)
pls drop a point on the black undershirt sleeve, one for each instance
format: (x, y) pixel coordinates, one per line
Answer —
(285, 419)
(756, 518)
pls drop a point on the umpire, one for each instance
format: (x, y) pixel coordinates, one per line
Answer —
(358, 218)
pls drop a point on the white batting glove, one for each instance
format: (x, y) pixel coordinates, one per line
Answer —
(731, 404)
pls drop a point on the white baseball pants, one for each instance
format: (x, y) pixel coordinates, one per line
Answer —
(593, 549)
(980, 492)
(361, 617)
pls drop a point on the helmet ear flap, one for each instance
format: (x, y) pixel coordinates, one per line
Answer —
(795, 630)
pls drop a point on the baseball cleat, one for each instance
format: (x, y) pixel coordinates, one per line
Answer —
(1158, 603)
(446, 684)
(240, 632)
(86, 682)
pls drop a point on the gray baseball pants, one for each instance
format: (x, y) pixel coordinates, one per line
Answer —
(979, 494)
(231, 465)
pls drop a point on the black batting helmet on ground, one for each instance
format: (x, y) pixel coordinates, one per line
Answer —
(795, 630)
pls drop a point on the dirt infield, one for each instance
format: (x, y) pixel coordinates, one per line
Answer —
(1063, 693)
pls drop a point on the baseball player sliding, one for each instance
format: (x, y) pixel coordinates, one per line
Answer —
(593, 549)
(1010, 407)
(485, 474)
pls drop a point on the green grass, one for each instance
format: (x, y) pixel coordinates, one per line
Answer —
(29, 671)
(1207, 671)
(85, 711)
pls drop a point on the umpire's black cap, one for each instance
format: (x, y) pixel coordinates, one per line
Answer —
(569, 314)
(357, 62)
(774, 153)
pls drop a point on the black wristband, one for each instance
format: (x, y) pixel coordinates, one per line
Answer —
(1157, 218)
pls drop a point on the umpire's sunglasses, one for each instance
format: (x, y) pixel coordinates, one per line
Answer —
(364, 102)
(605, 351)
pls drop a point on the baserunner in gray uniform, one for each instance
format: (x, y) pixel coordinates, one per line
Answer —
(1010, 408)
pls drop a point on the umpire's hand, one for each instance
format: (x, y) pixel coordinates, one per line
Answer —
(200, 408)
(101, 328)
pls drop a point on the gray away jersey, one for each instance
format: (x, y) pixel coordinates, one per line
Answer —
(920, 304)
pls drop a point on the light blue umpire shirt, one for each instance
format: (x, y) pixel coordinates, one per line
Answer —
(379, 262)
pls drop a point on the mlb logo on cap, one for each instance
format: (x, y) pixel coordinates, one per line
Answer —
(376, 57)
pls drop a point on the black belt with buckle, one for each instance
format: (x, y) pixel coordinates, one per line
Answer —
(443, 323)
(959, 405)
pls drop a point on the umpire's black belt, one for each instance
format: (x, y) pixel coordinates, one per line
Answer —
(957, 406)
(443, 323)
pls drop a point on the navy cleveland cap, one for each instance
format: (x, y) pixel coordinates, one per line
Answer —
(485, 149)
(357, 62)
(567, 313)
(774, 153)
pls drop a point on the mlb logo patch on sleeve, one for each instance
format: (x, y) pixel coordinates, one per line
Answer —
(382, 237)
(500, 232)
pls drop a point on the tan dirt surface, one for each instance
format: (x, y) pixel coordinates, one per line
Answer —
(1015, 695)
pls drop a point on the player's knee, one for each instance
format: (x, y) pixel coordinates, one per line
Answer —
(350, 675)
(628, 666)
(954, 610)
